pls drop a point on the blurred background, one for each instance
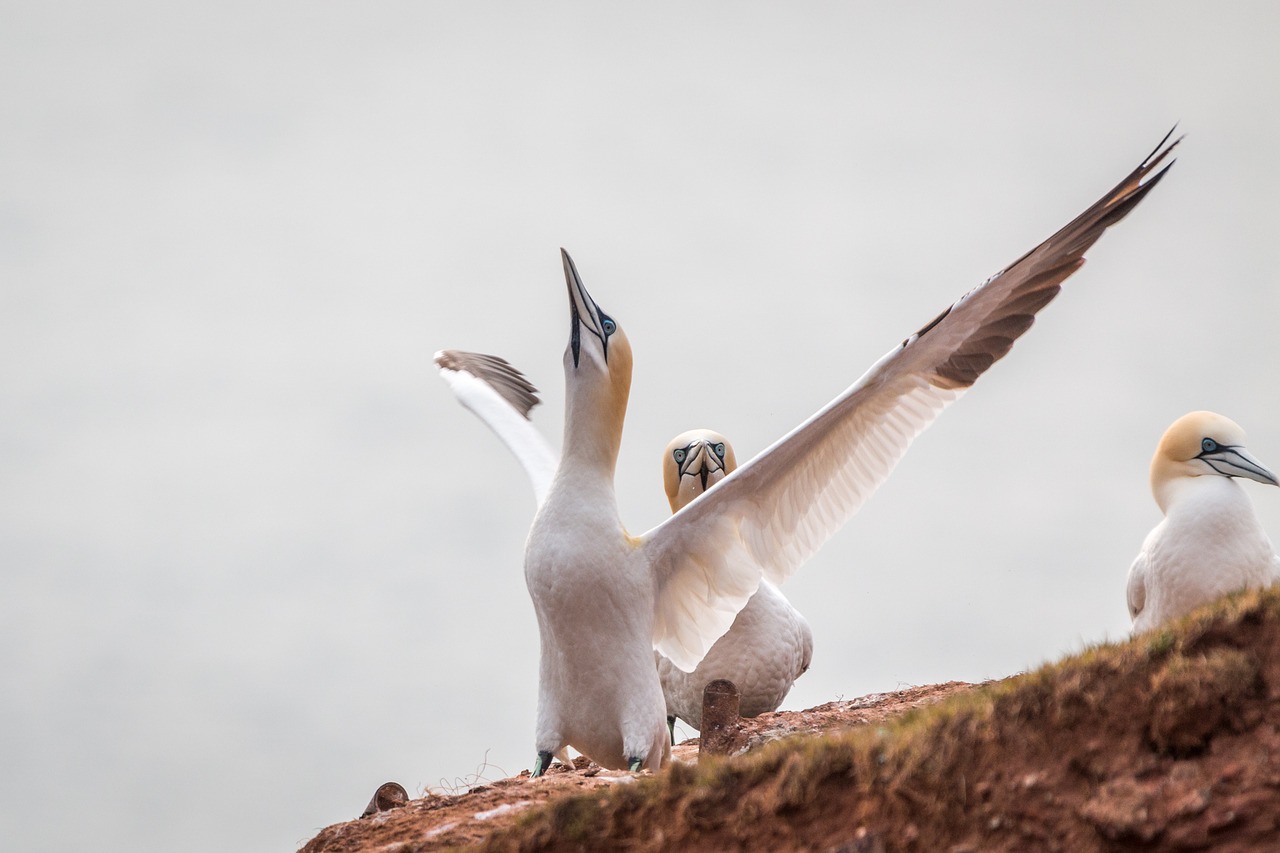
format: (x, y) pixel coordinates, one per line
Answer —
(256, 560)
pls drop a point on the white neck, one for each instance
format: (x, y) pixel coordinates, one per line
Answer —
(1204, 495)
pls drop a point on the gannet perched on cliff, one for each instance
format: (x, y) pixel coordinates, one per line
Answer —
(603, 598)
(769, 645)
(1210, 541)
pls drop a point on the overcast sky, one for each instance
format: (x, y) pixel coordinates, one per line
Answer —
(256, 561)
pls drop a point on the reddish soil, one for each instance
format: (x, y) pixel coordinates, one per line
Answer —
(442, 821)
(1168, 742)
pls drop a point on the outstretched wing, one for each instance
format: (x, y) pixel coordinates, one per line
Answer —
(500, 396)
(772, 513)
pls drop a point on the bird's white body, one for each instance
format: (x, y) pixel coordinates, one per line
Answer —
(767, 648)
(593, 593)
(1210, 542)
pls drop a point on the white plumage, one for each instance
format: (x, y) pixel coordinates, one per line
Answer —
(604, 597)
(1210, 541)
(768, 646)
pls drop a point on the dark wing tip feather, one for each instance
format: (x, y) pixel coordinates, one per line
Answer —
(1149, 158)
(497, 372)
(1031, 303)
(977, 354)
(1013, 296)
(1082, 232)
(962, 370)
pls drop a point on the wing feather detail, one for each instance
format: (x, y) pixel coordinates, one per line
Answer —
(1136, 586)
(502, 397)
(772, 513)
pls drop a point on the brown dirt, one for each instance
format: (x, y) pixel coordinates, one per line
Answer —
(1167, 742)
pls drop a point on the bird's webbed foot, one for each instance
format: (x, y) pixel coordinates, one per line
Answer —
(540, 766)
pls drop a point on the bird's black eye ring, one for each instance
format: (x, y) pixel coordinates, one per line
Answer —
(609, 326)
(1208, 445)
(678, 455)
(720, 450)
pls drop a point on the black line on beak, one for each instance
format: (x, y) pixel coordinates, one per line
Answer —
(575, 334)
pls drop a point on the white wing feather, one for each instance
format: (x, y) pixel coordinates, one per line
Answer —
(771, 514)
(520, 436)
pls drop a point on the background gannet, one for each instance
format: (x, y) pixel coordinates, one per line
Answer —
(769, 645)
(602, 596)
(1210, 541)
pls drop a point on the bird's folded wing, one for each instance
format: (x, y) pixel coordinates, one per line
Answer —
(772, 513)
(1136, 591)
(500, 396)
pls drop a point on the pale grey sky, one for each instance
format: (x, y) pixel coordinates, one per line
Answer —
(257, 561)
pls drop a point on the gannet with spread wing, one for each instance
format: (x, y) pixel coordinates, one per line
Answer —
(768, 646)
(1210, 541)
(604, 597)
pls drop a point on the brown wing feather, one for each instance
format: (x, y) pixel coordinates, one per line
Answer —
(778, 508)
(498, 372)
(1040, 273)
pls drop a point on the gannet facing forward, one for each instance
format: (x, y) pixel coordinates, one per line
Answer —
(769, 645)
(603, 598)
(1210, 541)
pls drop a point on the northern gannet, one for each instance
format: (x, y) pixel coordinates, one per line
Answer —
(1210, 541)
(769, 645)
(604, 598)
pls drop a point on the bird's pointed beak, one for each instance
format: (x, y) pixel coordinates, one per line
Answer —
(1238, 462)
(583, 311)
(702, 463)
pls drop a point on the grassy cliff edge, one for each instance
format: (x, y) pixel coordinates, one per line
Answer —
(1171, 738)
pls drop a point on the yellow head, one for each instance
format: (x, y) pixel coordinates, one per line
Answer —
(1202, 444)
(693, 462)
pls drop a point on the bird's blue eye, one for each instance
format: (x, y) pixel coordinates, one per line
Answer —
(1208, 445)
(679, 456)
(720, 450)
(609, 326)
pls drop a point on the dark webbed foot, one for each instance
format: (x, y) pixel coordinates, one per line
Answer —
(635, 764)
(540, 766)
(671, 727)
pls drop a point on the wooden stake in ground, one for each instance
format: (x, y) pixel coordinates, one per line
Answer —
(720, 703)
(390, 795)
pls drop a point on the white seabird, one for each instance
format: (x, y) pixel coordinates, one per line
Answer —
(603, 597)
(769, 644)
(1210, 541)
